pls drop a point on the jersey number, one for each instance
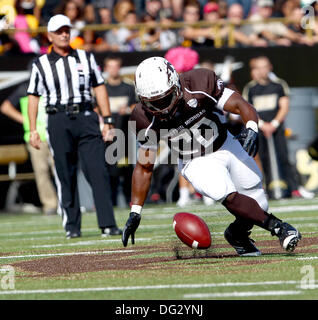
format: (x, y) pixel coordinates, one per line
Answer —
(195, 136)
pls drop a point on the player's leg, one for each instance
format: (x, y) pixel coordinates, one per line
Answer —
(92, 156)
(213, 176)
(249, 202)
(210, 176)
(64, 150)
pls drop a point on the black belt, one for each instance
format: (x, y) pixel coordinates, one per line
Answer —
(69, 109)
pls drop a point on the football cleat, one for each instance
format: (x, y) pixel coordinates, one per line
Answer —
(288, 236)
(242, 243)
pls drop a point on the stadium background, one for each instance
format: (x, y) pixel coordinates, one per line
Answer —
(294, 64)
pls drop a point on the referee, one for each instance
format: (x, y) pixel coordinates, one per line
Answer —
(64, 79)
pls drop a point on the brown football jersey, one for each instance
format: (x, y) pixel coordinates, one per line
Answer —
(198, 126)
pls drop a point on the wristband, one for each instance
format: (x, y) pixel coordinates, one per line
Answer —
(251, 125)
(136, 208)
(108, 120)
(275, 123)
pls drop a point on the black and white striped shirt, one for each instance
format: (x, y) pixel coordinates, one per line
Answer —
(65, 80)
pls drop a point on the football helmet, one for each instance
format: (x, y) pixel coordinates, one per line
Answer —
(158, 87)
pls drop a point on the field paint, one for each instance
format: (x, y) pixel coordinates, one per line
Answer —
(151, 287)
(92, 242)
(217, 213)
(307, 258)
(65, 254)
(242, 294)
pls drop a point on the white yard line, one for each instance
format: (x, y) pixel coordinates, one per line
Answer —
(153, 287)
(150, 213)
(64, 254)
(307, 258)
(236, 294)
(93, 242)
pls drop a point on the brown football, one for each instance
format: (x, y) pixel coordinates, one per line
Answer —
(192, 230)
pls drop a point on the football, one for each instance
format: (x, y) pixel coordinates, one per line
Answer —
(192, 230)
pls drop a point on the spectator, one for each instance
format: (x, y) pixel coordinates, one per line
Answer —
(122, 100)
(243, 34)
(125, 38)
(284, 8)
(276, 33)
(246, 5)
(26, 19)
(194, 36)
(16, 108)
(105, 17)
(211, 14)
(122, 8)
(270, 97)
(73, 11)
(168, 37)
(153, 8)
(7, 45)
(295, 25)
(92, 14)
(223, 5)
(177, 7)
(150, 39)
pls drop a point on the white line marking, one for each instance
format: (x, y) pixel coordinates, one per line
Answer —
(242, 294)
(219, 211)
(65, 254)
(307, 258)
(153, 287)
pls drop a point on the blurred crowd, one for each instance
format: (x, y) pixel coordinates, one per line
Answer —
(116, 22)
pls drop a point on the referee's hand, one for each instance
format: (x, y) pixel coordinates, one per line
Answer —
(35, 140)
(107, 132)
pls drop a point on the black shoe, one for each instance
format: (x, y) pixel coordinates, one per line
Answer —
(288, 236)
(114, 231)
(243, 245)
(71, 235)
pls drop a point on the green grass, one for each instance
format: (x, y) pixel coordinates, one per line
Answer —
(149, 270)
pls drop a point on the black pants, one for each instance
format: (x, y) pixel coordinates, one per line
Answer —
(286, 171)
(74, 138)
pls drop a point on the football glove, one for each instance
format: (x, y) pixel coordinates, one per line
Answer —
(130, 228)
(248, 138)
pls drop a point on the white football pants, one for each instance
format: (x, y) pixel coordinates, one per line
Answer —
(229, 169)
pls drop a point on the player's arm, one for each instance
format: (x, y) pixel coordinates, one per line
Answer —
(10, 111)
(141, 177)
(238, 105)
(102, 100)
(249, 136)
(141, 180)
(33, 104)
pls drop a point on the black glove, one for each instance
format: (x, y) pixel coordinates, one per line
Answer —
(248, 138)
(130, 228)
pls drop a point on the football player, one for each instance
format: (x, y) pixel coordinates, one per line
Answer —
(188, 111)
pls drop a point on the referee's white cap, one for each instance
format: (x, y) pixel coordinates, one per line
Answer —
(58, 21)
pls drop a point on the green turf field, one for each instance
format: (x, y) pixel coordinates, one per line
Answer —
(44, 265)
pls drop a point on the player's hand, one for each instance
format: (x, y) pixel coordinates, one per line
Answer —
(248, 138)
(268, 129)
(35, 140)
(108, 132)
(130, 228)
